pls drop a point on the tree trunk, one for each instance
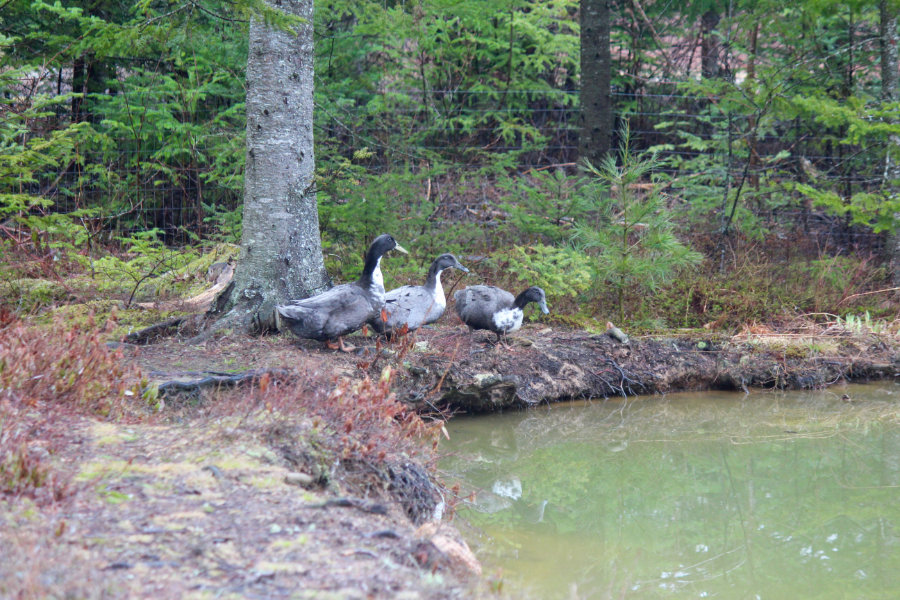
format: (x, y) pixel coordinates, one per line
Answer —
(596, 118)
(79, 86)
(889, 56)
(752, 123)
(281, 251)
(710, 45)
(889, 93)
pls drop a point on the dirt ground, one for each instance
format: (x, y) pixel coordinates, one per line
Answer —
(210, 510)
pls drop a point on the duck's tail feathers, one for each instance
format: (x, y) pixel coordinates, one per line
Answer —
(287, 314)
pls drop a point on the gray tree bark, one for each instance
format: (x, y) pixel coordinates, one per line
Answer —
(281, 250)
(890, 64)
(710, 45)
(596, 119)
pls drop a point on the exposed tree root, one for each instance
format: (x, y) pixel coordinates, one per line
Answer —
(193, 388)
(363, 505)
(152, 333)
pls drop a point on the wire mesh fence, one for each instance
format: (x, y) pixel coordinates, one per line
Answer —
(149, 162)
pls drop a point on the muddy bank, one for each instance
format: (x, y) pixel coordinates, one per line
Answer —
(450, 367)
(465, 373)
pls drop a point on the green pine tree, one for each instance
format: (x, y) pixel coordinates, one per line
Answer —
(632, 233)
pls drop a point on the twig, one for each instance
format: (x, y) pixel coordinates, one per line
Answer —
(200, 7)
(625, 378)
(440, 382)
(151, 273)
(893, 289)
(610, 386)
(544, 168)
(656, 38)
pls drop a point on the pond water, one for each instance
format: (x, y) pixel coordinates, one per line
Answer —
(765, 495)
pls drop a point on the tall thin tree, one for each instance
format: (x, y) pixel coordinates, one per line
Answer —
(890, 64)
(596, 120)
(281, 251)
(710, 45)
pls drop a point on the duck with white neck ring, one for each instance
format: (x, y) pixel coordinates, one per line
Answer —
(494, 309)
(412, 306)
(344, 308)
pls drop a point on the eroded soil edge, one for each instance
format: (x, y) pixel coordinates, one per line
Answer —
(451, 368)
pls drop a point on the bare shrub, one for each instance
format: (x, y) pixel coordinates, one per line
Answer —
(360, 420)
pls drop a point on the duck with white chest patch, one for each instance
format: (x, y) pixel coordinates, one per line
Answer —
(412, 306)
(494, 309)
(344, 308)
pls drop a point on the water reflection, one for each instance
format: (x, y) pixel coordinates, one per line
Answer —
(767, 495)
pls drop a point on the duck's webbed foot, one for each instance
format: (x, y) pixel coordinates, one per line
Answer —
(339, 345)
(501, 341)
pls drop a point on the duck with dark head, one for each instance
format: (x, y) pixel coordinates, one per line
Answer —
(412, 306)
(344, 308)
(495, 309)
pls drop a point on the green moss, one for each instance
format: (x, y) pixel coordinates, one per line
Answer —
(219, 253)
(290, 543)
(107, 440)
(265, 482)
(190, 279)
(102, 468)
(108, 313)
(114, 497)
(804, 347)
(117, 278)
(33, 294)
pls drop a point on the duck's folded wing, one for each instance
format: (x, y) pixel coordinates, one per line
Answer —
(460, 298)
(498, 298)
(394, 309)
(424, 308)
(412, 306)
(480, 303)
(481, 299)
(335, 297)
(309, 317)
(355, 311)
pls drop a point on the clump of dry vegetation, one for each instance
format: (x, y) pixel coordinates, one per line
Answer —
(346, 424)
(64, 365)
(49, 377)
(345, 434)
(371, 422)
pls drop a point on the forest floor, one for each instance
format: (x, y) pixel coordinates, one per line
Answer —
(251, 503)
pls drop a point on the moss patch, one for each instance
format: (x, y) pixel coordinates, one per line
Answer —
(30, 295)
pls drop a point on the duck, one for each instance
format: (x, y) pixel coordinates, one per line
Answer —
(416, 305)
(495, 309)
(344, 308)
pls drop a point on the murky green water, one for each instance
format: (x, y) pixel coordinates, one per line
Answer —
(768, 495)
